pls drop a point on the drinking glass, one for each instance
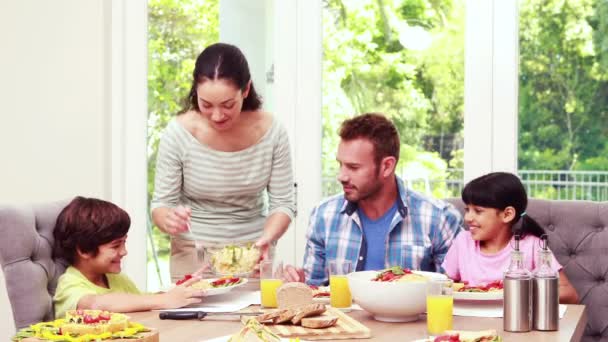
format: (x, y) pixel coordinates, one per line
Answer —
(271, 278)
(439, 306)
(339, 291)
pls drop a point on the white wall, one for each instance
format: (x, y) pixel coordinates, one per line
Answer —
(54, 131)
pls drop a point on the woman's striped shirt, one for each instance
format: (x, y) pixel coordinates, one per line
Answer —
(230, 193)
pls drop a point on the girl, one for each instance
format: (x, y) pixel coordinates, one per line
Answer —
(495, 208)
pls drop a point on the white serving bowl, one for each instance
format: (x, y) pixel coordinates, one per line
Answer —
(390, 301)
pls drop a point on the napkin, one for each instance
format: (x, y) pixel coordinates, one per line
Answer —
(228, 302)
(492, 309)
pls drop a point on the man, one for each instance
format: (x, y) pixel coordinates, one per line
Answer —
(377, 223)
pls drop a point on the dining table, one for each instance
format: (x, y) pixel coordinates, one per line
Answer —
(571, 326)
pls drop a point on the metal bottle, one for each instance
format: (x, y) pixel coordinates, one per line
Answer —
(517, 306)
(545, 292)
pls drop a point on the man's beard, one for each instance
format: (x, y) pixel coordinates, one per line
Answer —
(363, 194)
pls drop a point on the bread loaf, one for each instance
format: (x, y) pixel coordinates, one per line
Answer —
(319, 322)
(293, 295)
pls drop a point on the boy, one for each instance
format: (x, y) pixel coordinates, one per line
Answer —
(91, 234)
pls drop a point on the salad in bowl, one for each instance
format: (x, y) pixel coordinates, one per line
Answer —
(238, 259)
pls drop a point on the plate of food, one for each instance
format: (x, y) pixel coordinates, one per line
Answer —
(465, 336)
(320, 294)
(215, 286)
(254, 331)
(89, 325)
(489, 291)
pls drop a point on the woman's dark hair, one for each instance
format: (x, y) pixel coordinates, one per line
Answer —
(225, 62)
(87, 223)
(499, 190)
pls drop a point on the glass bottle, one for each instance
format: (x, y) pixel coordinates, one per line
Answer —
(545, 291)
(517, 305)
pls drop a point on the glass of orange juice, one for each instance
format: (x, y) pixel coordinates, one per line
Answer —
(439, 306)
(271, 278)
(339, 291)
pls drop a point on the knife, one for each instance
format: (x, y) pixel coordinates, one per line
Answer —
(200, 314)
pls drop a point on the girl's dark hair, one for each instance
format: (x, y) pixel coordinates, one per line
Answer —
(225, 62)
(499, 190)
(87, 223)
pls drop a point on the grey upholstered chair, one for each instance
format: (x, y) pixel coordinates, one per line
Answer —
(30, 271)
(578, 236)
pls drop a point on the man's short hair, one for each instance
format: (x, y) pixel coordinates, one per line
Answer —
(378, 129)
(87, 223)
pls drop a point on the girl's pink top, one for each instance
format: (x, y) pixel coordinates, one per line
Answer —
(466, 262)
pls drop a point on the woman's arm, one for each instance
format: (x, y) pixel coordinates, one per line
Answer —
(172, 220)
(281, 193)
(567, 293)
(166, 214)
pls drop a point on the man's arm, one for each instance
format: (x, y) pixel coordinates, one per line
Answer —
(314, 254)
(444, 233)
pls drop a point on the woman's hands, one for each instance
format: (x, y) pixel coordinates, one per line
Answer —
(183, 294)
(174, 221)
(263, 244)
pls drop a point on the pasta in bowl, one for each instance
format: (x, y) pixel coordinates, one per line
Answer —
(392, 295)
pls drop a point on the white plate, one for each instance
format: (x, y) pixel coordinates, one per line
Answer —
(491, 295)
(322, 300)
(222, 290)
(225, 339)
(217, 290)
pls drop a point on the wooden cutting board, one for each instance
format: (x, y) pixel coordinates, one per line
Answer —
(346, 328)
(151, 336)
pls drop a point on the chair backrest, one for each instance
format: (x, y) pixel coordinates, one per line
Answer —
(578, 236)
(26, 255)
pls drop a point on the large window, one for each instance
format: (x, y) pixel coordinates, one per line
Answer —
(404, 59)
(177, 32)
(563, 98)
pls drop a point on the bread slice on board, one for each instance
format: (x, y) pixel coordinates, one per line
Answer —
(319, 322)
(308, 311)
(268, 316)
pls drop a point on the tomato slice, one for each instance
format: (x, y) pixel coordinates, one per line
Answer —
(184, 279)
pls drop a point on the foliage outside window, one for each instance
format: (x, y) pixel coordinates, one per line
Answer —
(406, 60)
(178, 30)
(563, 97)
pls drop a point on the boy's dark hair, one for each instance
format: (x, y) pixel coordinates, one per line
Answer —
(499, 190)
(378, 129)
(87, 223)
(222, 61)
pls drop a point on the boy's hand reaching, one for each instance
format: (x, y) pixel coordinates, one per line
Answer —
(183, 294)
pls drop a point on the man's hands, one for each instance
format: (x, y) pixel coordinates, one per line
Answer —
(177, 220)
(183, 294)
(293, 274)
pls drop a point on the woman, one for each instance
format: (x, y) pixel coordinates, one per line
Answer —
(217, 159)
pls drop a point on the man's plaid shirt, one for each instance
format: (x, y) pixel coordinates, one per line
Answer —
(421, 232)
